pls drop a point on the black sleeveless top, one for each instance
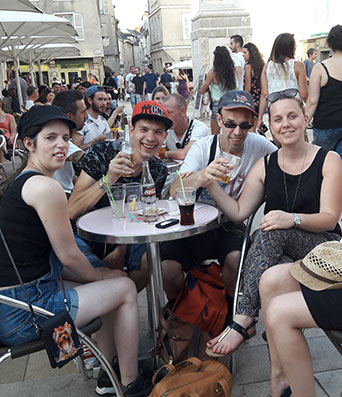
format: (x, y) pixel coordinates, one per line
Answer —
(328, 113)
(307, 200)
(25, 236)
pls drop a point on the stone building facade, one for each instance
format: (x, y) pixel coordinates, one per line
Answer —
(170, 32)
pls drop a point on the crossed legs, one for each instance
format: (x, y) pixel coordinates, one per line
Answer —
(285, 312)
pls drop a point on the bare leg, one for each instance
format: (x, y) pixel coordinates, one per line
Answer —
(285, 312)
(173, 278)
(115, 300)
(229, 271)
(141, 275)
(116, 258)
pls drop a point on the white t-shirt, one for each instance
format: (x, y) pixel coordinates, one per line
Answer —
(129, 78)
(93, 128)
(255, 147)
(29, 103)
(198, 130)
(65, 175)
(238, 60)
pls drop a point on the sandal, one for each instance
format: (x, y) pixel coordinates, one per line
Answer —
(236, 327)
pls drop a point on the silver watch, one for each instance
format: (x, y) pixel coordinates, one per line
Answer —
(102, 184)
(296, 220)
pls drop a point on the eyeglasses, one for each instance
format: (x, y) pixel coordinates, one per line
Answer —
(288, 93)
(243, 126)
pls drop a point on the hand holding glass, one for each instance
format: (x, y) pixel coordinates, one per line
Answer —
(232, 163)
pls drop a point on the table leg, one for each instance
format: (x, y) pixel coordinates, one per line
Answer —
(156, 283)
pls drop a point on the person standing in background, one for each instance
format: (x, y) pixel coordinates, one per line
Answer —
(138, 85)
(221, 78)
(236, 43)
(253, 69)
(129, 85)
(165, 79)
(151, 82)
(183, 81)
(310, 62)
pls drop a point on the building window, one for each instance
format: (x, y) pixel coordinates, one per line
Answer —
(186, 24)
(103, 7)
(77, 21)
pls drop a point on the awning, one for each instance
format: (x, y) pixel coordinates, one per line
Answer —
(186, 64)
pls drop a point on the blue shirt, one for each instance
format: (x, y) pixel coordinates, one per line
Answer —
(151, 80)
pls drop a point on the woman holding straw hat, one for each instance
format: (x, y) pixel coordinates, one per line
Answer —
(305, 294)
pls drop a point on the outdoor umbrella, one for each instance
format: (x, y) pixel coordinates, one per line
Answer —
(18, 5)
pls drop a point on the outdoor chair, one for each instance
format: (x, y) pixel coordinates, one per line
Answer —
(24, 349)
(2, 144)
(16, 151)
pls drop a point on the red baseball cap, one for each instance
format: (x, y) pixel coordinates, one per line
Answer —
(151, 110)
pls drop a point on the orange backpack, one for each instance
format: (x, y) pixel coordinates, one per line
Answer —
(203, 299)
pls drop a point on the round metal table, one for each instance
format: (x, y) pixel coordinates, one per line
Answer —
(100, 226)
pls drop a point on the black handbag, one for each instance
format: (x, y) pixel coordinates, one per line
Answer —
(58, 332)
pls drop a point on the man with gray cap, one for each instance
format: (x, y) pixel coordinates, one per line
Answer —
(96, 126)
(204, 158)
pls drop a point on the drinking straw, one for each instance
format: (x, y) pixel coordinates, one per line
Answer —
(111, 196)
(182, 185)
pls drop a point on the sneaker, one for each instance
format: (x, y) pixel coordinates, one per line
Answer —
(139, 388)
(90, 361)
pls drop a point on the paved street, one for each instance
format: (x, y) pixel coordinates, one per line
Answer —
(32, 376)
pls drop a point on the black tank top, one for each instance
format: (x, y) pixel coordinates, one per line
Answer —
(25, 236)
(309, 191)
(328, 113)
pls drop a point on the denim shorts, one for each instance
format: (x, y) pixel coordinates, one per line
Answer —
(16, 325)
(330, 139)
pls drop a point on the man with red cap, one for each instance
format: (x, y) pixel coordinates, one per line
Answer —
(150, 122)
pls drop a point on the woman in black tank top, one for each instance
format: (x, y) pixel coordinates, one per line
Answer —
(325, 96)
(302, 187)
(34, 219)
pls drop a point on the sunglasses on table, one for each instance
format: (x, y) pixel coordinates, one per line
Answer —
(243, 126)
(288, 93)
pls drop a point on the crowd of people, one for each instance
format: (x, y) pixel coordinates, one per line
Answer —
(71, 155)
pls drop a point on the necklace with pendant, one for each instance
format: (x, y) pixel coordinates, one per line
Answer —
(298, 184)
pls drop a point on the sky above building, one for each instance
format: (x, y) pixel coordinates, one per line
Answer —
(268, 18)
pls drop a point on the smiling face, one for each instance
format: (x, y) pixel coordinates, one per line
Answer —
(287, 121)
(232, 139)
(148, 136)
(245, 54)
(51, 147)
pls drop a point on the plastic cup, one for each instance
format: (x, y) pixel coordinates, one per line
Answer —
(232, 165)
(118, 192)
(186, 202)
(133, 203)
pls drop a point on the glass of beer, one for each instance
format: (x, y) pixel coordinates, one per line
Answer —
(232, 164)
(162, 151)
(186, 202)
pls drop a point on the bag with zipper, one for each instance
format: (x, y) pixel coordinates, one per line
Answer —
(203, 299)
(178, 340)
(193, 378)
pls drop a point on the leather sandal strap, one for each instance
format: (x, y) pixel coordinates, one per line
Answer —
(241, 330)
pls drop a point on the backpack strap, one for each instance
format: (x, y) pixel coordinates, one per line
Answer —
(326, 69)
(211, 158)
(187, 134)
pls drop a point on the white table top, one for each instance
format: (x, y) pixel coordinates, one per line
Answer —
(100, 226)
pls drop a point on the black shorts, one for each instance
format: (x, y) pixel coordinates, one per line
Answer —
(214, 244)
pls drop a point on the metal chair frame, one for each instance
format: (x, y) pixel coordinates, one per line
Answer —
(15, 152)
(2, 143)
(38, 345)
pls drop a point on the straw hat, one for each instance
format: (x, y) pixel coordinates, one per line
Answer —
(321, 268)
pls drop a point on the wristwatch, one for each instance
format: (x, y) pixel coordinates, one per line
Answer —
(102, 184)
(296, 220)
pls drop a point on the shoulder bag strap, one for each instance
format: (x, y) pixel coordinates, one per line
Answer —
(187, 134)
(211, 158)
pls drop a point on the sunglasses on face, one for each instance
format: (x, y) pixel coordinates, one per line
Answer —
(243, 126)
(288, 93)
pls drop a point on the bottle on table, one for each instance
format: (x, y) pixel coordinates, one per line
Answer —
(148, 195)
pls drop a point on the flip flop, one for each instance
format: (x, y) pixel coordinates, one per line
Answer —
(236, 327)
